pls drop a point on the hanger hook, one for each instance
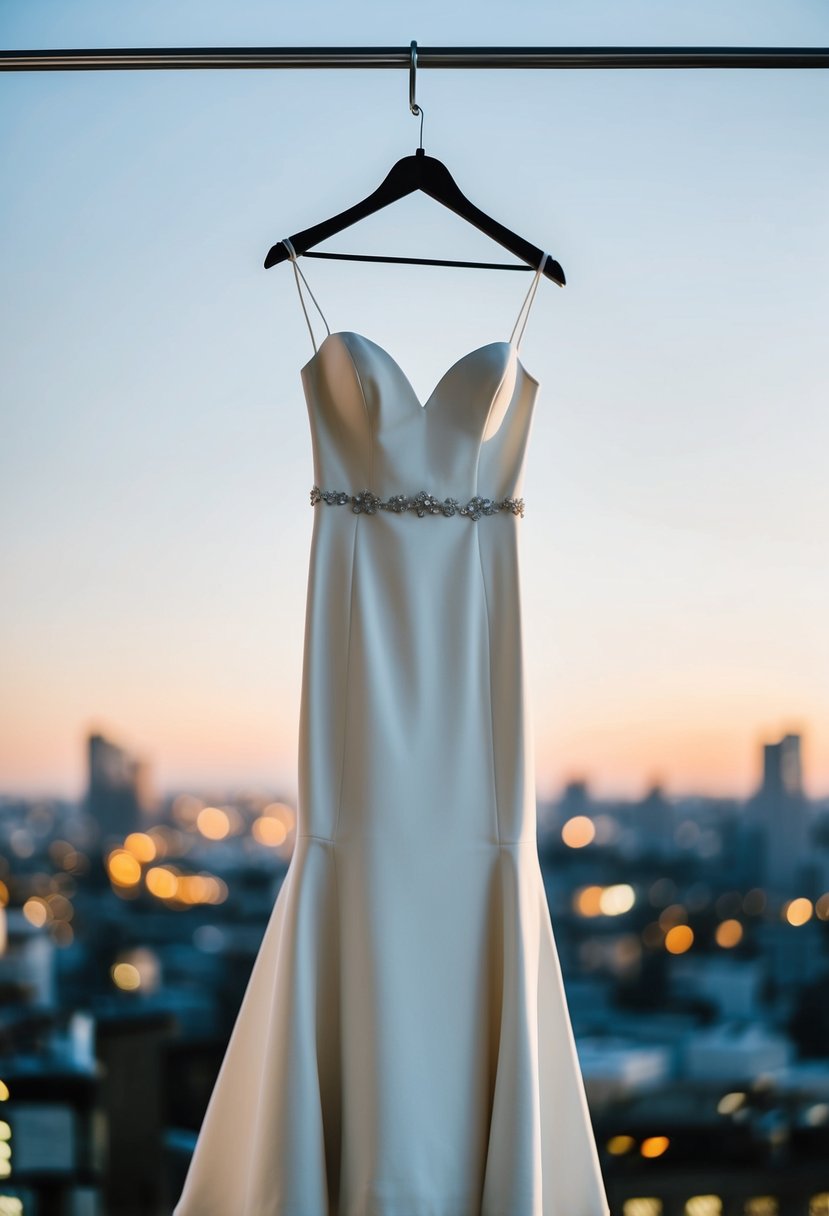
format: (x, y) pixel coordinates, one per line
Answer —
(413, 106)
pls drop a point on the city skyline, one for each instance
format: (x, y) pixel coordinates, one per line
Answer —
(653, 777)
(114, 748)
(692, 941)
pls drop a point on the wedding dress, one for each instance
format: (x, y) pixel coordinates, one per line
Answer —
(404, 1046)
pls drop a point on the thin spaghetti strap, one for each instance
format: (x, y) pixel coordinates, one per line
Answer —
(528, 302)
(297, 272)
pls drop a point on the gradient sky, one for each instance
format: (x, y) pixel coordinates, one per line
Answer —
(156, 455)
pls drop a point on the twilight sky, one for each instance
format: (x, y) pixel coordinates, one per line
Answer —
(155, 455)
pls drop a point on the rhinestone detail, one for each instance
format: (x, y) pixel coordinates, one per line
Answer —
(423, 503)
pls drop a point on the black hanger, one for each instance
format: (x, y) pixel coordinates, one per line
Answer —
(410, 173)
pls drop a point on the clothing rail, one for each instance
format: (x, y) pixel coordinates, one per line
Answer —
(427, 57)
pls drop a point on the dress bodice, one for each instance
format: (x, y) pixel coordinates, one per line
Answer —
(370, 430)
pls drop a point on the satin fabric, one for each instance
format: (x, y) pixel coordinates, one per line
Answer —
(404, 1046)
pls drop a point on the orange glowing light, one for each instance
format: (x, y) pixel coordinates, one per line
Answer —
(587, 901)
(728, 933)
(798, 911)
(620, 1144)
(213, 822)
(141, 846)
(162, 882)
(654, 1146)
(679, 939)
(578, 831)
(123, 868)
(269, 831)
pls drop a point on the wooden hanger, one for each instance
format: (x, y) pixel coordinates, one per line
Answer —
(410, 173)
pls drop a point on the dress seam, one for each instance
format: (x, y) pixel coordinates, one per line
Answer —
(345, 691)
(492, 401)
(370, 428)
(489, 680)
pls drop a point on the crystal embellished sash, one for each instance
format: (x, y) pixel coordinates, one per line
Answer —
(422, 503)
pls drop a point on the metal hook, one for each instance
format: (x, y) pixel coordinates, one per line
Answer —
(413, 106)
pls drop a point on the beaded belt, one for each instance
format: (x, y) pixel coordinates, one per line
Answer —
(422, 503)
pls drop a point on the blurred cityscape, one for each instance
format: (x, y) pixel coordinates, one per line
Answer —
(694, 941)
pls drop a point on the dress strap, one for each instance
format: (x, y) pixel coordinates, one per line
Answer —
(528, 302)
(292, 254)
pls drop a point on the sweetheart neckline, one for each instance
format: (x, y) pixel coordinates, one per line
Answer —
(423, 406)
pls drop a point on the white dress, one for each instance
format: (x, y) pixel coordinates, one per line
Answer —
(404, 1046)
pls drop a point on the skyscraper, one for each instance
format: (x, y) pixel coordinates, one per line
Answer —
(780, 812)
(118, 787)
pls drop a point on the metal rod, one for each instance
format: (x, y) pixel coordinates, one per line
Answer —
(427, 57)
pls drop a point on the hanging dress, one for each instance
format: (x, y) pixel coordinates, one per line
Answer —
(404, 1046)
